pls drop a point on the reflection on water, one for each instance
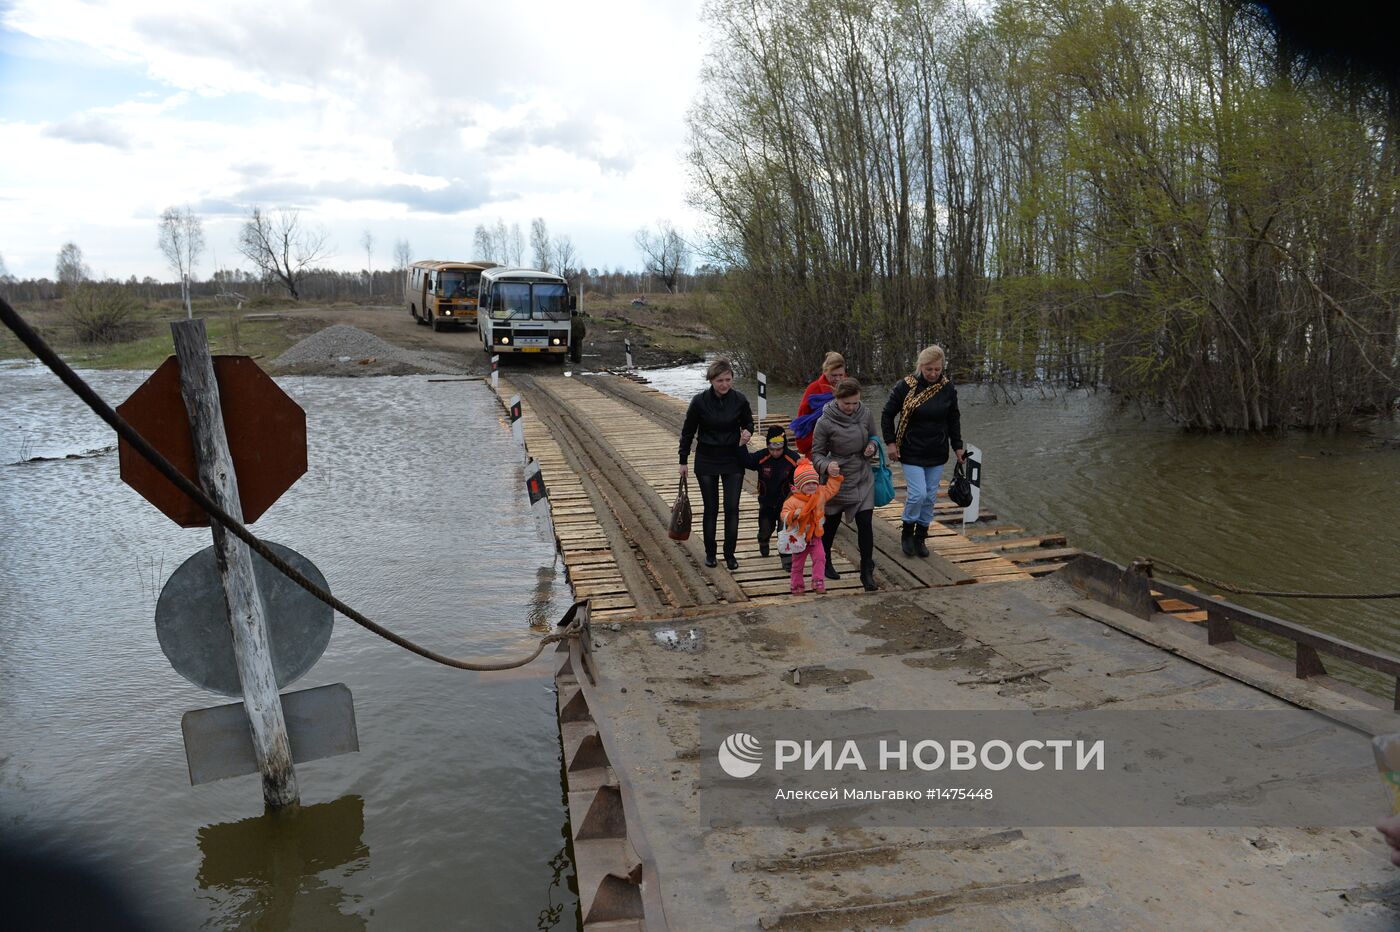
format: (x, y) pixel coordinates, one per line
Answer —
(270, 872)
(541, 612)
(415, 510)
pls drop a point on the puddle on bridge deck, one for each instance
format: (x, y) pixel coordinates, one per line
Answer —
(451, 815)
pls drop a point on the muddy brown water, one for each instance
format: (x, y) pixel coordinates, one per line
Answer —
(450, 816)
(1301, 512)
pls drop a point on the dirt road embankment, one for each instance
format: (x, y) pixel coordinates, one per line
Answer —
(269, 333)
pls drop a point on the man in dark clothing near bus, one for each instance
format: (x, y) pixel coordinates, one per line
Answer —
(775, 466)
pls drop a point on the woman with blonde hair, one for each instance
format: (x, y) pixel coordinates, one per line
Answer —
(925, 405)
(815, 399)
(719, 421)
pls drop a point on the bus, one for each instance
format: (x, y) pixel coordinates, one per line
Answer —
(443, 294)
(525, 311)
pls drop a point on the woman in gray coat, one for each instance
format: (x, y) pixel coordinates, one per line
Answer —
(842, 444)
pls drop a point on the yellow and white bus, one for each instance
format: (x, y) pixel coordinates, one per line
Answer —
(443, 294)
(525, 311)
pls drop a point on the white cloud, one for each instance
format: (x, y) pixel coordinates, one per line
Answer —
(90, 128)
(364, 113)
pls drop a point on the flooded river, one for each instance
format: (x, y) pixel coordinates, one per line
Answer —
(1306, 512)
(451, 814)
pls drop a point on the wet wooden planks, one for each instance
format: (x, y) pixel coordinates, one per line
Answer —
(650, 449)
(583, 545)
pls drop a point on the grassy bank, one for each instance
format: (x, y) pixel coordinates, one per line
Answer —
(254, 331)
(665, 328)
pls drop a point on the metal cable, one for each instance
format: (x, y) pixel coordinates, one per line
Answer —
(1227, 587)
(571, 624)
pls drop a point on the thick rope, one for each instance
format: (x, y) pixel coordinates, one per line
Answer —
(570, 623)
(1227, 587)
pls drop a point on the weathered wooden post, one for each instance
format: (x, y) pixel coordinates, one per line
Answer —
(252, 649)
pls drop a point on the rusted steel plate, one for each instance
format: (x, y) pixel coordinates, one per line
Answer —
(266, 438)
(1111, 584)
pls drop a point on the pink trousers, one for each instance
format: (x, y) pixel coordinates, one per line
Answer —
(817, 551)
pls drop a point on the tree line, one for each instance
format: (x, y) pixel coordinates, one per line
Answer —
(1165, 197)
(285, 249)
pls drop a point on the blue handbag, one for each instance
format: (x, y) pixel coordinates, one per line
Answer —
(884, 482)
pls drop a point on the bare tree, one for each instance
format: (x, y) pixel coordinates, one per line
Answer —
(517, 245)
(4, 272)
(367, 244)
(181, 239)
(482, 245)
(665, 252)
(280, 246)
(403, 254)
(539, 243)
(69, 267)
(562, 256)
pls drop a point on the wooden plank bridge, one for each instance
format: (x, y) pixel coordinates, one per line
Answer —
(607, 447)
(990, 632)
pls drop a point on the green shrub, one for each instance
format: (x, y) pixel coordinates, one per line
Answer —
(103, 314)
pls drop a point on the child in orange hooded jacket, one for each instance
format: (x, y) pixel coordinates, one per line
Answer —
(804, 513)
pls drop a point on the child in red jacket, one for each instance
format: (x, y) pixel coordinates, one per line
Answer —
(803, 515)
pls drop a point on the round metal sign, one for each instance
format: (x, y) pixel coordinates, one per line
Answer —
(193, 628)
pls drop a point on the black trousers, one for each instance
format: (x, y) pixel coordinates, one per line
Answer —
(768, 519)
(865, 535)
(709, 496)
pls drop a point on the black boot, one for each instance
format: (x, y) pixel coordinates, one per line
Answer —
(920, 535)
(867, 575)
(829, 529)
(906, 537)
(786, 558)
(765, 534)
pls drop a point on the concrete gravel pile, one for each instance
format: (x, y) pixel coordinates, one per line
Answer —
(345, 350)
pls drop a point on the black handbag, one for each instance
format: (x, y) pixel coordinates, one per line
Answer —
(960, 487)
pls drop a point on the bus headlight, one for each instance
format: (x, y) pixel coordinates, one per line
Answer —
(447, 312)
(557, 341)
(505, 339)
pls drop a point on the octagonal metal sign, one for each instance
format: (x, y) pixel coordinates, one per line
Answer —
(193, 628)
(266, 437)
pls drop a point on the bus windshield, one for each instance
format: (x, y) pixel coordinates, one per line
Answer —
(514, 301)
(457, 285)
(551, 301)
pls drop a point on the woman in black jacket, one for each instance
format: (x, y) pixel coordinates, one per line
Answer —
(720, 422)
(929, 423)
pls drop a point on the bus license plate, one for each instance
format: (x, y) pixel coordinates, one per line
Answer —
(532, 349)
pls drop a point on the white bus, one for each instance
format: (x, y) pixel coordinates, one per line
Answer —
(525, 311)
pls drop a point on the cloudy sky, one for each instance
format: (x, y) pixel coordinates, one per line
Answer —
(416, 120)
